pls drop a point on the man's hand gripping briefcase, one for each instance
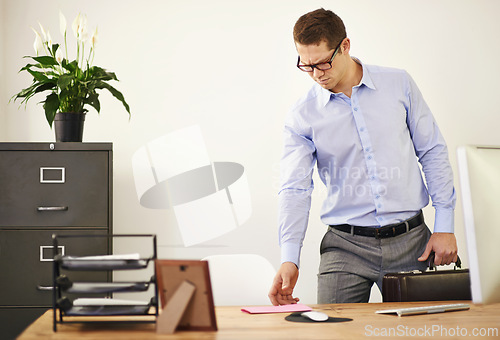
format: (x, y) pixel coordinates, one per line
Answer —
(436, 285)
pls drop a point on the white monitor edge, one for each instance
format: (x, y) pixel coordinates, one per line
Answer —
(469, 224)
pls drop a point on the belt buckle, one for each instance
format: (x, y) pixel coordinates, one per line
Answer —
(377, 233)
(407, 229)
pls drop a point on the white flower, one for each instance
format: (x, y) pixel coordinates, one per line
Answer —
(59, 55)
(75, 26)
(94, 38)
(49, 40)
(79, 27)
(82, 29)
(38, 44)
(43, 32)
(62, 23)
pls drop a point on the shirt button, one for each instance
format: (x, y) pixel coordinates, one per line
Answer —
(369, 158)
(355, 109)
(377, 197)
(362, 129)
(379, 205)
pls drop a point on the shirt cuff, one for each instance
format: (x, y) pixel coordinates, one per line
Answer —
(290, 252)
(444, 221)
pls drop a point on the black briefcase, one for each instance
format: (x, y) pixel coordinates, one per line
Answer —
(431, 285)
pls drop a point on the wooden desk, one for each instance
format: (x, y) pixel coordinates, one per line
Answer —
(234, 324)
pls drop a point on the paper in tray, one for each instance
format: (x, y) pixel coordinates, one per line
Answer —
(104, 306)
(134, 256)
(106, 310)
(107, 287)
(107, 302)
(103, 262)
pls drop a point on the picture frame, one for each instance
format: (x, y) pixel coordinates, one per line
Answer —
(186, 297)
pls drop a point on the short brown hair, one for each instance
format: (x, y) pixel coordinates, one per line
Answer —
(319, 25)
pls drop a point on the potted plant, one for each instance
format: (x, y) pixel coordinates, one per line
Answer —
(71, 86)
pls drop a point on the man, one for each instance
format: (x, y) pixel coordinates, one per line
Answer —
(366, 128)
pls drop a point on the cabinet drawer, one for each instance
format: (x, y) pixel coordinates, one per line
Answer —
(15, 320)
(26, 268)
(54, 188)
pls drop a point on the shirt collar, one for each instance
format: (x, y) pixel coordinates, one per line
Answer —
(366, 79)
(326, 95)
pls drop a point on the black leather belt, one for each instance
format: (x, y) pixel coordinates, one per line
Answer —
(383, 232)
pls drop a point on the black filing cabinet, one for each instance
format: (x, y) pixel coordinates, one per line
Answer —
(45, 189)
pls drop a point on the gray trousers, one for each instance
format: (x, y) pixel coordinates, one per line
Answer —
(353, 263)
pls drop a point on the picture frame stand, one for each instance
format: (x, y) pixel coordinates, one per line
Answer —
(171, 315)
(186, 298)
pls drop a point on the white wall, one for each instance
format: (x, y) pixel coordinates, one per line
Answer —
(229, 67)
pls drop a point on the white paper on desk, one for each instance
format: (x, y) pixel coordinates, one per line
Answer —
(80, 302)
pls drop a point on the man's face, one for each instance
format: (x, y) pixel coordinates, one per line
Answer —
(316, 54)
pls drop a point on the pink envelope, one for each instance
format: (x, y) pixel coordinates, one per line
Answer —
(297, 307)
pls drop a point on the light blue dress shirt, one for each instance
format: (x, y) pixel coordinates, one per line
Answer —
(367, 151)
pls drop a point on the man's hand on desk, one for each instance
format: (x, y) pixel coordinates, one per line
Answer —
(445, 247)
(283, 284)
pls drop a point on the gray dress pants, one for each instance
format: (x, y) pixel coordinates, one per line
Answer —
(353, 263)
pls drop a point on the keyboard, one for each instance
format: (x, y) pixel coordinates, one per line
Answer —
(425, 309)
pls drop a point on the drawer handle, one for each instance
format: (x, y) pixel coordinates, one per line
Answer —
(61, 250)
(45, 288)
(52, 208)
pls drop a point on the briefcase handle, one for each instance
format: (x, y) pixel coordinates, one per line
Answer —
(430, 262)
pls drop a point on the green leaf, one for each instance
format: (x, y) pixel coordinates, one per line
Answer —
(54, 49)
(46, 60)
(50, 72)
(65, 80)
(45, 86)
(27, 91)
(28, 97)
(51, 105)
(29, 66)
(93, 100)
(117, 94)
(98, 73)
(70, 66)
(39, 76)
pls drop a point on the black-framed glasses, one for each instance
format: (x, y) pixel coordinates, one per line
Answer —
(320, 66)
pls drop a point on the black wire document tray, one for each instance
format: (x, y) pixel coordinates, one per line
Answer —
(104, 307)
(75, 299)
(100, 287)
(102, 262)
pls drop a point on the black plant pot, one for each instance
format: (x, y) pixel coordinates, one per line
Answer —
(69, 126)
